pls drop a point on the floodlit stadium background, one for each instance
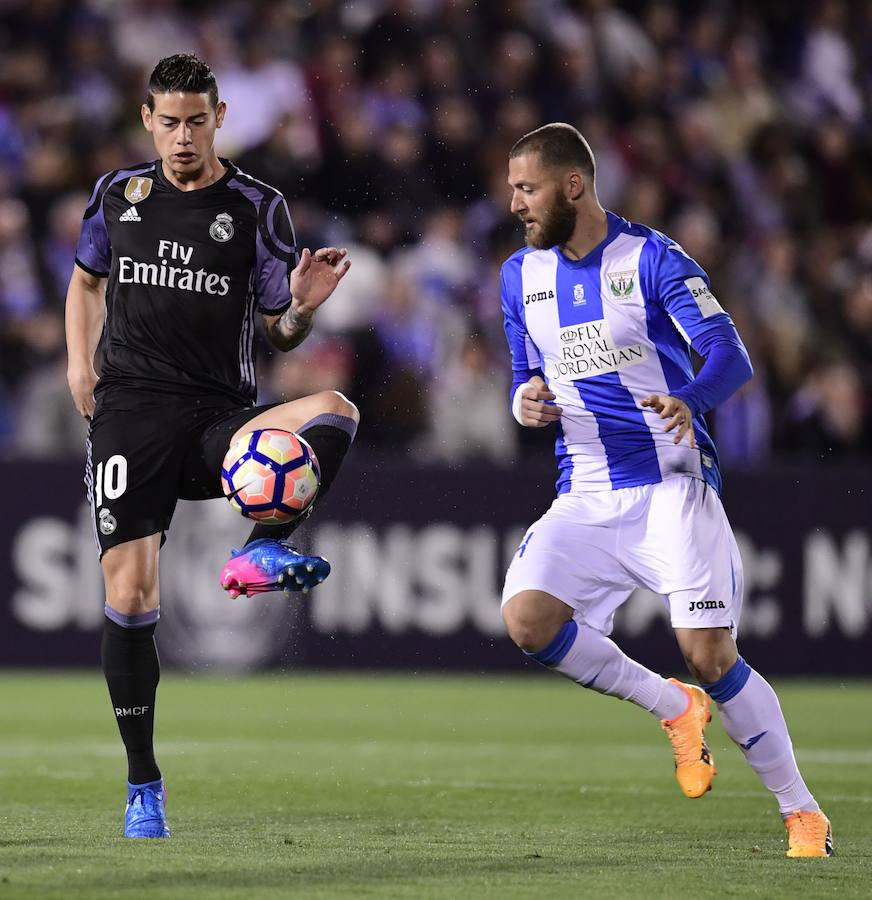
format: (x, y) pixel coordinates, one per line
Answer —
(741, 129)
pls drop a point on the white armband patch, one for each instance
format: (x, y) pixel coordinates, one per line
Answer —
(704, 298)
(516, 401)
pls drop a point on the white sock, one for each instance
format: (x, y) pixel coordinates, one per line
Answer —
(752, 717)
(590, 658)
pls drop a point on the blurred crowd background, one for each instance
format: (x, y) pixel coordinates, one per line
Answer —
(741, 129)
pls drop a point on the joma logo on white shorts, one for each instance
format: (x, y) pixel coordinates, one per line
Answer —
(706, 604)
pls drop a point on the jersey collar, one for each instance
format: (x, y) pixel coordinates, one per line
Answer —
(230, 171)
(615, 224)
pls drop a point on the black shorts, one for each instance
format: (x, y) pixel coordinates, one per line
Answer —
(145, 452)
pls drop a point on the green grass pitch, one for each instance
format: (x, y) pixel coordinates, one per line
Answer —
(362, 785)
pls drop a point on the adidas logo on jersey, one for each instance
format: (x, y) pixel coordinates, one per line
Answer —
(130, 216)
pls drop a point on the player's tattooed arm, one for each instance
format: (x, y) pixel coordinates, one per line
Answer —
(291, 328)
(312, 282)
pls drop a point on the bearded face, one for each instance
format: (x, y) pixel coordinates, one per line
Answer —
(554, 225)
(538, 200)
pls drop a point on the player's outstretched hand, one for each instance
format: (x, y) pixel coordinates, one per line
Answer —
(317, 274)
(537, 404)
(678, 413)
(82, 384)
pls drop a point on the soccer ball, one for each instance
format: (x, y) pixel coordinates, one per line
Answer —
(270, 475)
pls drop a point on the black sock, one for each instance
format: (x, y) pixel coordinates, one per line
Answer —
(330, 444)
(132, 672)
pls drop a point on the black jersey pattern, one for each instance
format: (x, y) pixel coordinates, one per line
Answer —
(187, 271)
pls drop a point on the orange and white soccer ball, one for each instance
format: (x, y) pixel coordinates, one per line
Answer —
(270, 475)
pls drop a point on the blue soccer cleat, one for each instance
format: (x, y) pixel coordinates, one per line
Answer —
(144, 816)
(267, 565)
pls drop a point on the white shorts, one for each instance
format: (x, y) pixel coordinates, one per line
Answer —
(591, 550)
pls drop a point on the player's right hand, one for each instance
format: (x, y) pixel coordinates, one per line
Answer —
(316, 276)
(82, 383)
(537, 404)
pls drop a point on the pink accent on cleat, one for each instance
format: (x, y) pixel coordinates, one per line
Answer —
(239, 576)
(267, 565)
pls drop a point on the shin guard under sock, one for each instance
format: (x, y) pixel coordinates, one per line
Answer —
(132, 670)
(588, 657)
(752, 717)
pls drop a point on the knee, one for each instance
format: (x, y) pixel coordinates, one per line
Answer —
(338, 404)
(707, 667)
(131, 598)
(709, 652)
(530, 632)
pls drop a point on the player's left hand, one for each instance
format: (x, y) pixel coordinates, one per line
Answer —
(678, 413)
(316, 276)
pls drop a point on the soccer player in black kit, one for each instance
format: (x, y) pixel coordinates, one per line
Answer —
(186, 249)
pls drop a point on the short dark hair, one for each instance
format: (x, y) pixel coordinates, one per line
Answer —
(182, 72)
(558, 145)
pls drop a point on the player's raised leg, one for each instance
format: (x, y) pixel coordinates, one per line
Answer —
(268, 562)
(132, 670)
(559, 612)
(545, 629)
(752, 717)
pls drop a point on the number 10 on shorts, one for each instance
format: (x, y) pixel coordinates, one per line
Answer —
(111, 480)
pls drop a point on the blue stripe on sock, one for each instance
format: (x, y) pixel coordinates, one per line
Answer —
(730, 684)
(559, 647)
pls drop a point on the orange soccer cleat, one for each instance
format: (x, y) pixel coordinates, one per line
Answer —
(694, 765)
(808, 834)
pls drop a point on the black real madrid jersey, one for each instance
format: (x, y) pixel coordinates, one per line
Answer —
(187, 271)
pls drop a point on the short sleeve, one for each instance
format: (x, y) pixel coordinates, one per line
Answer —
(94, 252)
(276, 255)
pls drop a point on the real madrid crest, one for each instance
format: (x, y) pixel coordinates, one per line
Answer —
(222, 228)
(107, 521)
(137, 189)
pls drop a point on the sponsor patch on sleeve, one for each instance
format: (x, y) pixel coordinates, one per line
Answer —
(705, 299)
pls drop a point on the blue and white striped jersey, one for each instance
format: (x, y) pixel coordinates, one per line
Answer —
(604, 332)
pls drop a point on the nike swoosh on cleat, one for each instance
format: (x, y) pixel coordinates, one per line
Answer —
(752, 741)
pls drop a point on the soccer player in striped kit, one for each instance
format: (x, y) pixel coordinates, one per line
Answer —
(600, 315)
